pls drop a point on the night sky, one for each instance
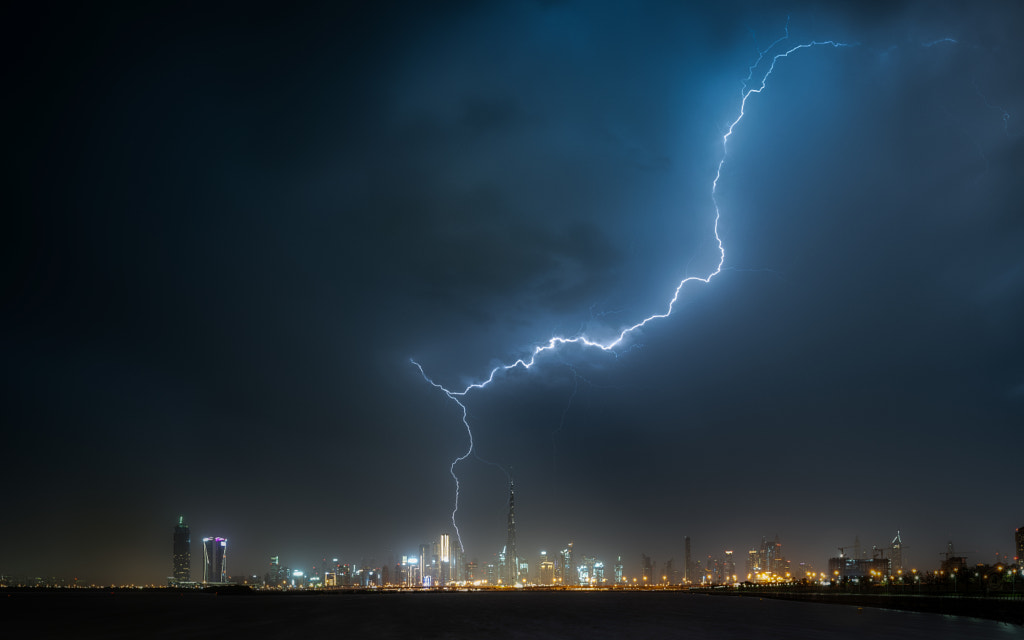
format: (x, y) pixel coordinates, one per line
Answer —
(229, 229)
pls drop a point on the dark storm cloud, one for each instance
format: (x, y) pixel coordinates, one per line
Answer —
(235, 227)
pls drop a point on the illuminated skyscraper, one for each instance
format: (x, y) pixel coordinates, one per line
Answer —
(215, 565)
(598, 572)
(1018, 538)
(754, 565)
(444, 558)
(182, 558)
(458, 570)
(728, 569)
(568, 567)
(585, 570)
(426, 579)
(511, 557)
(770, 559)
(896, 553)
(545, 570)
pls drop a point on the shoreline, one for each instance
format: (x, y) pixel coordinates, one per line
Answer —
(1009, 610)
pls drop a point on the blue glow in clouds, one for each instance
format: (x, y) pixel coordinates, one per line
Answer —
(583, 339)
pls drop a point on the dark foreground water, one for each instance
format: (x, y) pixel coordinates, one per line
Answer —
(464, 615)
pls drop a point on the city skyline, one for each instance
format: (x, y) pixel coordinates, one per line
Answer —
(452, 567)
(234, 230)
(447, 566)
(685, 566)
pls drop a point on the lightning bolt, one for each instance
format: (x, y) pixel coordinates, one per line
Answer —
(458, 397)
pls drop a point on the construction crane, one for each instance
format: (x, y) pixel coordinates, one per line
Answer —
(951, 553)
(953, 560)
(855, 546)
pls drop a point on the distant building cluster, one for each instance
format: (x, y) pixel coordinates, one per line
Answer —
(442, 563)
(856, 566)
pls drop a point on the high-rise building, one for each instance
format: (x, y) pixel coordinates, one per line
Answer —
(598, 572)
(277, 576)
(491, 573)
(425, 566)
(585, 572)
(215, 565)
(770, 560)
(754, 565)
(410, 571)
(728, 569)
(182, 553)
(458, 570)
(896, 553)
(546, 570)
(511, 557)
(688, 567)
(646, 569)
(503, 568)
(541, 560)
(567, 564)
(1018, 538)
(444, 558)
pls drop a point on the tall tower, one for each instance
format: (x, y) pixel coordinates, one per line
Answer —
(728, 568)
(458, 569)
(896, 553)
(182, 550)
(215, 565)
(1018, 539)
(511, 556)
(444, 550)
(426, 579)
(688, 567)
(570, 577)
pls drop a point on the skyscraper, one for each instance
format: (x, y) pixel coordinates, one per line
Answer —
(646, 569)
(511, 557)
(754, 565)
(896, 553)
(545, 570)
(444, 559)
(688, 567)
(182, 553)
(728, 569)
(458, 570)
(1018, 538)
(426, 579)
(568, 566)
(215, 565)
